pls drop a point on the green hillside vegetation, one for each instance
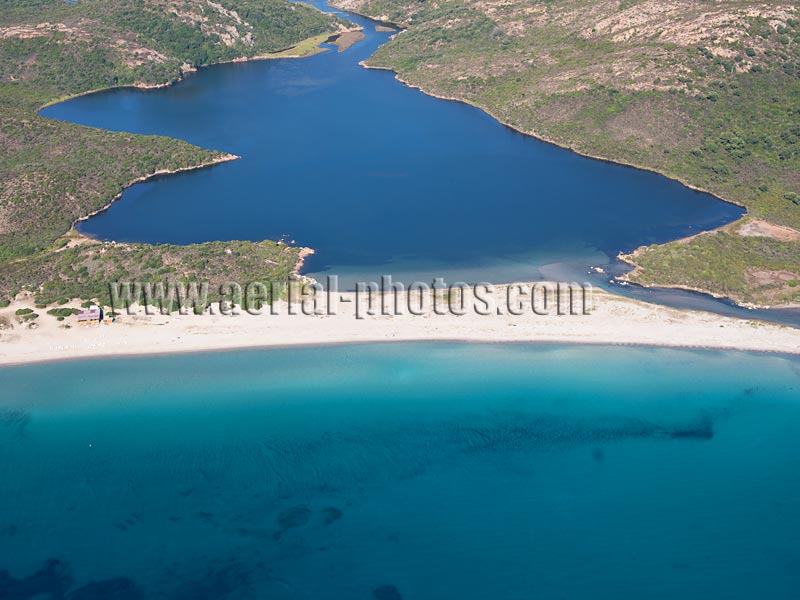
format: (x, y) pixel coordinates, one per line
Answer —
(53, 173)
(85, 271)
(751, 270)
(58, 48)
(707, 92)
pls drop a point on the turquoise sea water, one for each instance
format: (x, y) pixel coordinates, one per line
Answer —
(413, 471)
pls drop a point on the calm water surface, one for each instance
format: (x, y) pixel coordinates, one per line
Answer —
(378, 177)
(413, 471)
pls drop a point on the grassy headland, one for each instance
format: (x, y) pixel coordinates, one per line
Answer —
(706, 92)
(53, 173)
(85, 270)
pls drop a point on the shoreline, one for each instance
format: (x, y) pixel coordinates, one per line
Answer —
(625, 258)
(630, 260)
(791, 355)
(542, 138)
(538, 136)
(278, 54)
(305, 252)
(613, 320)
(546, 140)
(223, 158)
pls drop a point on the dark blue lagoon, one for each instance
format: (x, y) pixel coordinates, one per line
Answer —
(377, 177)
(411, 471)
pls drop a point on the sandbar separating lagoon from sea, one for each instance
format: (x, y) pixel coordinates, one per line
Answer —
(610, 320)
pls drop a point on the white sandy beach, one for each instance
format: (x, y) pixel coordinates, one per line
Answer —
(613, 320)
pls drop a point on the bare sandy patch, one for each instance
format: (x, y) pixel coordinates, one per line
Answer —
(344, 40)
(767, 278)
(759, 228)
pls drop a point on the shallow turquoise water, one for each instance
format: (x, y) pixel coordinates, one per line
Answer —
(413, 471)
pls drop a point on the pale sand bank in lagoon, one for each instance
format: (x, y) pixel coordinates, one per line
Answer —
(614, 320)
(347, 39)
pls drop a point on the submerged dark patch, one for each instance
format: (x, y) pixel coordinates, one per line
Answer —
(14, 420)
(330, 515)
(51, 581)
(231, 581)
(543, 430)
(111, 589)
(703, 429)
(296, 516)
(387, 592)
